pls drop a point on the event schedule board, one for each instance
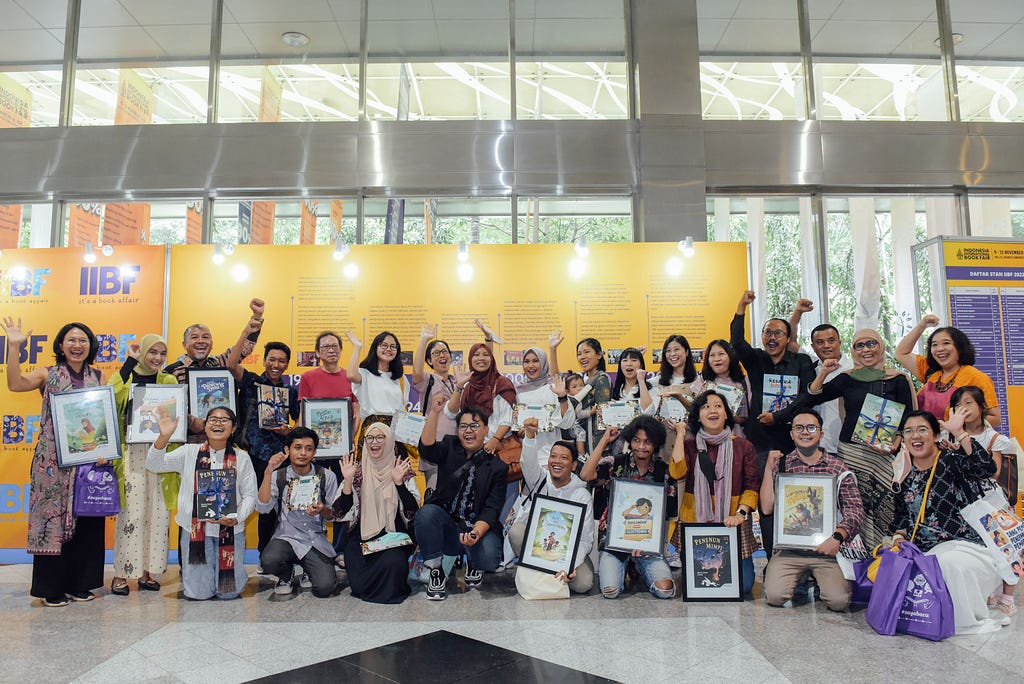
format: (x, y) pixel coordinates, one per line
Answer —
(985, 290)
(623, 294)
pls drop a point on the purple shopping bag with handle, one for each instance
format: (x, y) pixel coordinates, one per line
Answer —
(861, 586)
(887, 595)
(927, 610)
(96, 492)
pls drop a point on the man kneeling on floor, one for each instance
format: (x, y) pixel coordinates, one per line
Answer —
(558, 481)
(302, 494)
(787, 567)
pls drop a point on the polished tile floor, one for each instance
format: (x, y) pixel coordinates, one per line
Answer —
(161, 637)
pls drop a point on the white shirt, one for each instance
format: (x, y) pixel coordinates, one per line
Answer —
(545, 395)
(379, 394)
(831, 421)
(501, 414)
(183, 460)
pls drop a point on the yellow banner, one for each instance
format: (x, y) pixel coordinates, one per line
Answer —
(120, 298)
(15, 103)
(985, 293)
(134, 100)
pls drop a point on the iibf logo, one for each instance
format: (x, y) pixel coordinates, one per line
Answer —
(113, 347)
(13, 498)
(29, 351)
(20, 429)
(108, 280)
(974, 254)
(26, 282)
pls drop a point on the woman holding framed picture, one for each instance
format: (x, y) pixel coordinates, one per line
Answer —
(67, 550)
(719, 473)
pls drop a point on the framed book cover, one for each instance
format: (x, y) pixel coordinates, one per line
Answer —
(215, 494)
(636, 517)
(711, 562)
(273, 406)
(879, 421)
(805, 510)
(544, 413)
(331, 420)
(617, 413)
(779, 391)
(145, 405)
(85, 426)
(210, 388)
(553, 533)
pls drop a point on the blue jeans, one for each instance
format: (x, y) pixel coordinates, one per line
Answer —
(200, 581)
(438, 535)
(612, 570)
(748, 574)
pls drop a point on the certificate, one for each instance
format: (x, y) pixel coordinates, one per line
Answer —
(303, 492)
(672, 409)
(542, 412)
(408, 427)
(733, 395)
(617, 413)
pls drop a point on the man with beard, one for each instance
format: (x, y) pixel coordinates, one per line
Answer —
(777, 376)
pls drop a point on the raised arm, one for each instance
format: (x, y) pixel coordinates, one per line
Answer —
(589, 470)
(737, 329)
(234, 361)
(767, 498)
(489, 336)
(352, 370)
(802, 307)
(905, 349)
(16, 382)
(420, 357)
(554, 339)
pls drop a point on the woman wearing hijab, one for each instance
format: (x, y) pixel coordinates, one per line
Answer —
(545, 389)
(382, 491)
(140, 538)
(868, 392)
(483, 387)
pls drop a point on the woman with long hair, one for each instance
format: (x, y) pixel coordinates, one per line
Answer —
(723, 373)
(378, 382)
(598, 388)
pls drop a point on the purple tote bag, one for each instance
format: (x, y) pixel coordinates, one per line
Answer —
(96, 492)
(910, 596)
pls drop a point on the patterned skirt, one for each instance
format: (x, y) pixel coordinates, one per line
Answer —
(874, 481)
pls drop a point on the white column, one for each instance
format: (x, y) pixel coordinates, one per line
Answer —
(990, 216)
(867, 282)
(809, 267)
(755, 236)
(904, 236)
(723, 206)
(42, 216)
(940, 213)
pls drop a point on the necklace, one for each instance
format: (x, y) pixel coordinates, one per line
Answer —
(941, 386)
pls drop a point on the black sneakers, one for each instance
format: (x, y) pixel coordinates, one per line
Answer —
(437, 585)
(473, 576)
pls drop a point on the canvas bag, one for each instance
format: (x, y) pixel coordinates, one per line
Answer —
(1001, 531)
(910, 596)
(535, 585)
(96, 492)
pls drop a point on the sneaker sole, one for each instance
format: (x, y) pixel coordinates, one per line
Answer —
(82, 600)
(55, 605)
(436, 598)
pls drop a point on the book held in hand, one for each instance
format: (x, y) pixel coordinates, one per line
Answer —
(272, 406)
(215, 494)
(302, 493)
(879, 421)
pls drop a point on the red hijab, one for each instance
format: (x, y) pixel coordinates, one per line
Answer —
(483, 387)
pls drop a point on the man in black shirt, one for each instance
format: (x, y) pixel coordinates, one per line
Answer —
(777, 377)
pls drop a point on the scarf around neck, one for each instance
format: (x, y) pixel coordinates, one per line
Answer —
(708, 510)
(226, 538)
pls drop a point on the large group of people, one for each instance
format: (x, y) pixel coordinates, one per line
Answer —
(714, 440)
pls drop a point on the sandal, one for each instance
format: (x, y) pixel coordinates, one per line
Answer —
(149, 585)
(119, 587)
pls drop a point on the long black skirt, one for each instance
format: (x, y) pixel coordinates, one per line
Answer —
(79, 566)
(381, 577)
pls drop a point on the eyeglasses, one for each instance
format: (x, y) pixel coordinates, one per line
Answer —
(772, 332)
(439, 352)
(218, 420)
(330, 347)
(375, 439)
(809, 429)
(866, 344)
(469, 426)
(919, 431)
(392, 347)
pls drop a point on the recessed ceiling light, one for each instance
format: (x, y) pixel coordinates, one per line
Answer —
(294, 39)
(957, 39)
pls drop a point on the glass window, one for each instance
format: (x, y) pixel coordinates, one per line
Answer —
(571, 60)
(877, 62)
(442, 60)
(307, 221)
(750, 60)
(149, 65)
(451, 220)
(567, 219)
(988, 40)
(25, 225)
(289, 61)
(133, 223)
(31, 59)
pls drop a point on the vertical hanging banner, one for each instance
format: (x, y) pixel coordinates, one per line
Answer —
(15, 112)
(127, 223)
(307, 223)
(337, 212)
(84, 224)
(261, 231)
(985, 294)
(120, 298)
(194, 222)
(429, 216)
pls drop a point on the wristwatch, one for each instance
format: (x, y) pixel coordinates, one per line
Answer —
(744, 512)
(838, 536)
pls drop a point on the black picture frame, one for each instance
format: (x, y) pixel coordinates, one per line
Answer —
(547, 518)
(712, 566)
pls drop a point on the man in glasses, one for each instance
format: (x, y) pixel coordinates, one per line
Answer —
(777, 377)
(787, 567)
(462, 515)
(826, 344)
